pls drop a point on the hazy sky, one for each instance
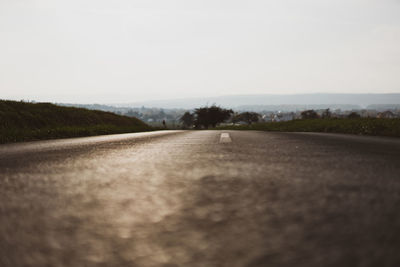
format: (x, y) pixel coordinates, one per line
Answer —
(131, 50)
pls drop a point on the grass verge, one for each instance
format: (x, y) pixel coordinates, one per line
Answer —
(361, 126)
(21, 121)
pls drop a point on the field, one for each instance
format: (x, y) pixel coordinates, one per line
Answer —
(361, 126)
(22, 121)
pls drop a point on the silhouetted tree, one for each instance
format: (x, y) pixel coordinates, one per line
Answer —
(327, 114)
(248, 117)
(353, 115)
(187, 119)
(309, 114)
(213, 115)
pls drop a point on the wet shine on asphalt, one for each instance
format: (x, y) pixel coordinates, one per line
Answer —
(196, 198)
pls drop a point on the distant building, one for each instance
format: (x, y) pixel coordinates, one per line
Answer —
(386, 115)
(283, 116)
(368, 113)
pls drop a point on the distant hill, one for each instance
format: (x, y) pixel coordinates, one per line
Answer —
(21, 121)
(292, 108)
(343, 101)
(384, 107)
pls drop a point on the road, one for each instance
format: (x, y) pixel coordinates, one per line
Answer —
(201, 198)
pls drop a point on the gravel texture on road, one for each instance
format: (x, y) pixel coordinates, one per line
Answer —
(185, 198)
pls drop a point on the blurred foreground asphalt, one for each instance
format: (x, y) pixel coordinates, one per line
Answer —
(194, 198)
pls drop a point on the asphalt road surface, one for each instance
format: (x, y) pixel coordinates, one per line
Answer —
(201, 198)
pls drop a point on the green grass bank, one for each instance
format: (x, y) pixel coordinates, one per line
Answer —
(361, 126)
(22, 121)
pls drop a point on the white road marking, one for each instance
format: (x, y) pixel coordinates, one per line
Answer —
(225, 138)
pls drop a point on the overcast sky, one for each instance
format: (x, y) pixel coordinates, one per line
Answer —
(134, 50)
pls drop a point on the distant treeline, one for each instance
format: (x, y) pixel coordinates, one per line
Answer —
(21, 121)
(155, 116)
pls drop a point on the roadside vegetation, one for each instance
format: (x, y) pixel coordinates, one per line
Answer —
(310, 121)
(359, 126)
(22, 121)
